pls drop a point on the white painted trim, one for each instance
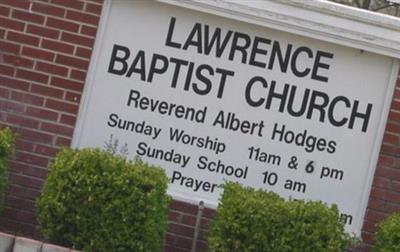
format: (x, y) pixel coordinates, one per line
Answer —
(290, 16)
(318, 19)
(374, 157)
(83, 107)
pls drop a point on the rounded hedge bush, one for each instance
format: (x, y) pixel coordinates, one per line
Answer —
(7, 146)
(250, 220)
(95, 201)
(387, 236)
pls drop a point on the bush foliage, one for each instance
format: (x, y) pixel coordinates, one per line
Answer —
(96, 201)
(250, 220)
(387, 237)
(7, 146)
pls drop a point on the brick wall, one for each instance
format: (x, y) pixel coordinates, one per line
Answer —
(45, 48)
(385, 194)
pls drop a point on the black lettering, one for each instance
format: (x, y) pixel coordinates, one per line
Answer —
(140, 58)
(240, 48)
(249, 86)
(169, 41)
(122, 59)
(194, 39)
(153, 66)
(294, 61)
(318, 64)
(364, 116)
(203, 79)
(256, 50)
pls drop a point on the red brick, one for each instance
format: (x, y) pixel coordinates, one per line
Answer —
(96, 1)
(67, 84)
(25, 145)
(77, 39)
(57, 46)
(24, 204)
(47, 91)
(396, 105)
(48, 9)
(43, 31)
(22, 121)
(376, 216)
(83, 52)
(63, 142)
(396, 162)
(82, 17)
(31, 158)
(73, 97)
(35, 136)
(62, 24)
(42, 113)
(394, 116)
(33, 76)
(392, 207)
(26, 16)
(183, 242)
(11, 107)
(390, 150)
(75, 4)
(37, 53)
(189, 220)
(9, 47)
(183, 207)
(57, 129)
(78, 75)
(67, 119)
(397, 93)
(396, 185)
(27, 98)
(393, 128)
(23, 38)
(72, 62)
(89, 31)
(24, 192)
(388, 173)
(385, 194)
(180, 230)
(205, 223)
(13, 83)
(4, 93)
(170, 248)
(62, 106)
(93, 8)
(20, 215)
(6, 70)
(23, 180)
(46, 150)
(391, 139)
(51, 69)
(18, 61)
(29, 169)
(11, 24)
(382, 182)
(4, 11)
(24, 4)
(385, 160)
(2, 33)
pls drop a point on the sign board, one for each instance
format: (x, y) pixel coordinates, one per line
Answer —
(211, 99)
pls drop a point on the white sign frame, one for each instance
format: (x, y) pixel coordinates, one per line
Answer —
(337, 24)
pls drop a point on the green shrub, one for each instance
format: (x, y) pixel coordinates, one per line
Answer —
(7, 146)
(387, 237)
(95, 201)
(250, 220)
